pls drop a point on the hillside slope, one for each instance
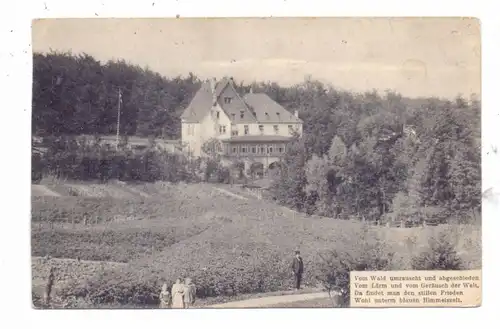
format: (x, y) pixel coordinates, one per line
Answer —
(228, 245)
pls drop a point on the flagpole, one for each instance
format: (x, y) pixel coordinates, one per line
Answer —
(118, 117)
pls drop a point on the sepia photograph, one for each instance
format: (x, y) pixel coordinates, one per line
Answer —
(181, 163)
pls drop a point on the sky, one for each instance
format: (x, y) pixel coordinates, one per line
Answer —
(414, 56)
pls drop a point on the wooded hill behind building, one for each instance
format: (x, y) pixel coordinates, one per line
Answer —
(367, 155)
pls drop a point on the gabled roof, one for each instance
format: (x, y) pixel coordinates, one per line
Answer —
(261, 106)
(200, 104)
(234, 108)
(267, 110)
(203, 100)
(221, 85)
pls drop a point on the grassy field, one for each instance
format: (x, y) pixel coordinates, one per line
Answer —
(230, 246)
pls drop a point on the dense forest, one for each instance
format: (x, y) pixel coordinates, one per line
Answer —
(365, 155)
(76, 94)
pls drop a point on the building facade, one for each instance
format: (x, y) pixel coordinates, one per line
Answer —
(252, 128)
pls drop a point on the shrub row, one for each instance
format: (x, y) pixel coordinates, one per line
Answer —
(105, 244)
(86, 159)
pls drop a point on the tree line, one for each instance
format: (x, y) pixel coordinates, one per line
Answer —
(385, 158)
(366, 155)
(76, 94)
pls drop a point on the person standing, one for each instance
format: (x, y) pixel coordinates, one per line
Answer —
(178, 294)
(297, 269)
(189, 293)
(165, 297)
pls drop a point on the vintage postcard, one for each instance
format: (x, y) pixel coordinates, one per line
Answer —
(256, 163)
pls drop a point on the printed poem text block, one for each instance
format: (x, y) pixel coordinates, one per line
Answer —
(415, 288)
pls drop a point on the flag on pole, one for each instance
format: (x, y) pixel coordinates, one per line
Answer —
(118, 117)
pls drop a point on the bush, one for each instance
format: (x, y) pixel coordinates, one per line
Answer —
(440, 255)
(123, 287)
(366, 252)
(224, 175)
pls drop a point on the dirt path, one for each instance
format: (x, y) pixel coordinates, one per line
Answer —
(134, 190)
(270, 301)
(230, 193)
(42, 190)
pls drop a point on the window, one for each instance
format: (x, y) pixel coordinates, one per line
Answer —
(243, 150)
(190, 129)
(217, 114)
(280, 150)
(261, 129)
(233, 116)
(246, 129)
(270, 150)
(227, 100)
(242, 114)
(253, 149)
(290, 129)
(276, 128)
(234, 149)
(262, 150)
(222, 129)
(234, 133)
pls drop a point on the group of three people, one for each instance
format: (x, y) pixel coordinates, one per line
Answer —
(182, 295)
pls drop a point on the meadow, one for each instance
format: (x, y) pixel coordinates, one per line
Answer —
(138, 236)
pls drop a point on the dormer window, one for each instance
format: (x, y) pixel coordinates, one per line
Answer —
(227, 100)
(267, 114)
(261, 129)
(276, 129)
(242, 114)
(278, 115)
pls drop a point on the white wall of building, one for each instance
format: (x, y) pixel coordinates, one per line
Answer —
(268, 129)
(214, 125)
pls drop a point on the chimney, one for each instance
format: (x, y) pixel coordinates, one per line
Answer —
(296, 113)
(213, 81)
